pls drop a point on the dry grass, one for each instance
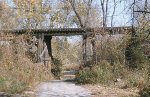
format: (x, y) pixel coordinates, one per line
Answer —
(103, 91)
(17, 72)
(137, 78)
(108, 74)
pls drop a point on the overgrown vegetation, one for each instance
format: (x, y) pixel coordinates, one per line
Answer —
(57, 68)
(113, 67)
(107, 74)
(124, 56)
(17, 71)
(99, 74)
(145, 92)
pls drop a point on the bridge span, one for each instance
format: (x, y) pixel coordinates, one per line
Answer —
(44, 36)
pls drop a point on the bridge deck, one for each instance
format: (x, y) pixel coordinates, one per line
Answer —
(69, 31)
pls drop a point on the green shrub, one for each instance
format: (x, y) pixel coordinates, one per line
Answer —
(137, 78)
(2, 83)
(86, 77)
(18, 87)
(145, 92)
(12, 85)
(99, 74)
(134, 53)
(2, 80)
(56, 68)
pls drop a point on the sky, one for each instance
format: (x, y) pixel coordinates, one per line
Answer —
(8, 1)
(122, 17)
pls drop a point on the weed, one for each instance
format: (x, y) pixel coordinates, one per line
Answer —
(17, 72)
(99, 74)
(145, 92)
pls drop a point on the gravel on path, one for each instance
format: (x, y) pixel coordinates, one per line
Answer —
(61, 89)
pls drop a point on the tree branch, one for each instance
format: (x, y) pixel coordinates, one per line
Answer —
(72, 2)
(88, 12)
(142, 12)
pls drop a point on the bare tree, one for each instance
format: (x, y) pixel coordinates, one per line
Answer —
(72, 2)
(30, 13)
(104, 6)
(7, 16)
(114, 9)
(88, 6)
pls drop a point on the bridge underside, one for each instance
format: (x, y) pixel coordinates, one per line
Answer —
(72, 31)
(44, 37)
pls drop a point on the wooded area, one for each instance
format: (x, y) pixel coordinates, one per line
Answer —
(110, 54)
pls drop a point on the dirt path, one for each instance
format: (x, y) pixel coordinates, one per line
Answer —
(61, 89)
(69, 89)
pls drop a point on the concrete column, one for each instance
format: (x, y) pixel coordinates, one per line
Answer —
(84, 50)
(94, 56)
(40, 46)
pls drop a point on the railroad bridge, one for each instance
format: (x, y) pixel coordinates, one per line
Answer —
(44, 37)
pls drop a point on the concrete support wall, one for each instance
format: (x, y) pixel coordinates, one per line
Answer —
(44, 51)
(40, 46)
